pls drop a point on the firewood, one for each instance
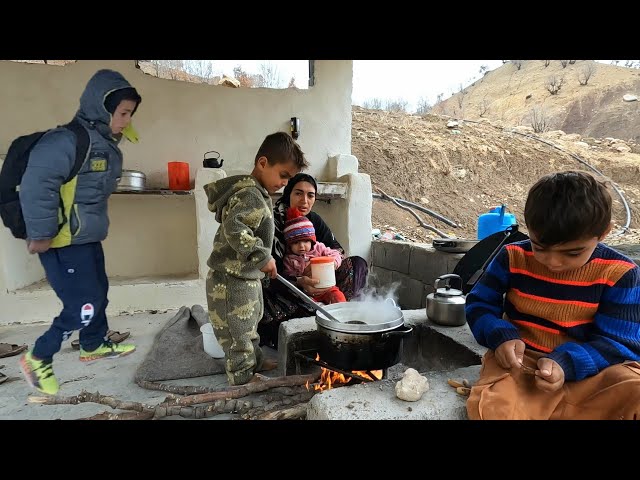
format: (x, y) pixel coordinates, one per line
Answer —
(243, 390)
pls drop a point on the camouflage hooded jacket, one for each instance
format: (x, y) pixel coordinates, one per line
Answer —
(242, 244)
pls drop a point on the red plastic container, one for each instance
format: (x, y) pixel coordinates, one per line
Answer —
(178, 176)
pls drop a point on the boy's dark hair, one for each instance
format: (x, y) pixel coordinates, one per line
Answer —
(280, 147)
(566, 206)
(114, 98)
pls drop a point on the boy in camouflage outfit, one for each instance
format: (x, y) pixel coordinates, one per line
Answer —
(242, 251)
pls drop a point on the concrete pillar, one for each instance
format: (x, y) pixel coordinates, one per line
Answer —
(206, 221)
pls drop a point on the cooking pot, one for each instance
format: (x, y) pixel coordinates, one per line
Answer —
(453, 245)
(131, 181)
(446, 305)
(368, 335)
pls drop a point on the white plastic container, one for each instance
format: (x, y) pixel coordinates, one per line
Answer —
(210, 342)
(323, 269)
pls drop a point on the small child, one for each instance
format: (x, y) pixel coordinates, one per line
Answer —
(302, 247)
(559, 313)
(242, 252)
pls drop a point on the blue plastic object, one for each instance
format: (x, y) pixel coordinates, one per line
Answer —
(497, 220)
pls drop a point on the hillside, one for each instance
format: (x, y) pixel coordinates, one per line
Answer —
(508, 95)
(461, 172)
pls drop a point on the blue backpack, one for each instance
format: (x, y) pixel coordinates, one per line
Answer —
(14, 167)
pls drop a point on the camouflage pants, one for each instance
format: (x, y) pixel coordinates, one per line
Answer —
(235, 307)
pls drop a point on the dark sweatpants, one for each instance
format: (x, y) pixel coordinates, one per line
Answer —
(77, 275)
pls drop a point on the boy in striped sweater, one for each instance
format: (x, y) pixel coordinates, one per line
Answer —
(559, 313)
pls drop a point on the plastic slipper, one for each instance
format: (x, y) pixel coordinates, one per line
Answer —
(117, 337)
(10, 349)
(114, 336)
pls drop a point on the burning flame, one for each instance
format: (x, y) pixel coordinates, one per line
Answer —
(330, 379)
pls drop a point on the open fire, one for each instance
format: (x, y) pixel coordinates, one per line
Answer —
(332, 379)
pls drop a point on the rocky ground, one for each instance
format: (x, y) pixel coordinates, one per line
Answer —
(462, 169)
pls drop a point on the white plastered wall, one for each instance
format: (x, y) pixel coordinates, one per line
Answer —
(176, 121)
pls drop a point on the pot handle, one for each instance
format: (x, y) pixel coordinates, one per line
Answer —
(449, 276)
(391, 301)
(397, 333)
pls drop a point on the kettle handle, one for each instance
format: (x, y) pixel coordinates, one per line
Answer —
(445, 277)
(211, 151)
(391, 301)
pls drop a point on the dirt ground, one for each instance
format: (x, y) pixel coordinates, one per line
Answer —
(462, 171)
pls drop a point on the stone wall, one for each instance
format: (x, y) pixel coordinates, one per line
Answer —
(412, 267)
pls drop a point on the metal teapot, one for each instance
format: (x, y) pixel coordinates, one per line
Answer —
(446, 305)
(212, 162)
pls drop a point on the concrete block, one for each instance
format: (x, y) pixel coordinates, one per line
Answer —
(392, 255)
(410, 291)
(340, 165)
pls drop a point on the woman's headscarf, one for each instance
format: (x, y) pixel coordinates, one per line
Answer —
(280, 213)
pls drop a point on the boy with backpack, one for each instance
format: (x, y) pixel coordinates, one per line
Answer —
(65, 219)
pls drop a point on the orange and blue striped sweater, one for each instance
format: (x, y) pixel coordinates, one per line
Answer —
(586, 319)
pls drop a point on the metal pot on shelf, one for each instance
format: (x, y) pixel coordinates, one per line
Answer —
(367, 336)
(131, 181)
(446, 305)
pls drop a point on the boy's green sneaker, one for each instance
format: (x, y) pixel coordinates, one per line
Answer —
(107, 350)
(39, 374)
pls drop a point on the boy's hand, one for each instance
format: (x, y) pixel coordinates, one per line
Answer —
(38, 246)
(509, 354)
(549, 376)
(270, 269)
(307, 271)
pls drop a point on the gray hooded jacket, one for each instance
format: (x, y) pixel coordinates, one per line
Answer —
(84, 218)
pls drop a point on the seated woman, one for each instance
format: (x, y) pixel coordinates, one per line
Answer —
(279, 303)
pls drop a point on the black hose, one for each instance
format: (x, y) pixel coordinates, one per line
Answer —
(613, 185)
(451, 223)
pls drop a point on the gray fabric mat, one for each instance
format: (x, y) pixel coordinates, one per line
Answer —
(177, 351)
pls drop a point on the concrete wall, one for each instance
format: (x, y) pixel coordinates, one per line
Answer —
(413, 266)
(176, 121)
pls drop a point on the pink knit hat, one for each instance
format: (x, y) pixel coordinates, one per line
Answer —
(298, 227)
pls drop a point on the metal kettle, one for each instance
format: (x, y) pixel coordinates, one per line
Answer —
(446, 305)
(212, 162)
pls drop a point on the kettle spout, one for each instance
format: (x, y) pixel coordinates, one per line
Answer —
(221, 161)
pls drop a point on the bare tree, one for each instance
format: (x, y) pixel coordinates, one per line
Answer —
(245, 79)
(484, 106)
(571, 62)
(424, 106)
(546, 63)
(292, 82)
(167, 68)
(483, 69)
(517, 63)
(539, 121)
(585, 73)
(269, 76)
(373, 104)
(632, 63)
(554, 84)
(564, 63)
(200, 68)
(439, 98)
(398, 105)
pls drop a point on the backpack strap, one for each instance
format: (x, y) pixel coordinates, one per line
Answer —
(82, 146)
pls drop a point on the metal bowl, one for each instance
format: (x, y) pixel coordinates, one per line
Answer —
(131, 181)
(362, 317)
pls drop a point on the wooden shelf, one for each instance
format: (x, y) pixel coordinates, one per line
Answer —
(161, 192)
